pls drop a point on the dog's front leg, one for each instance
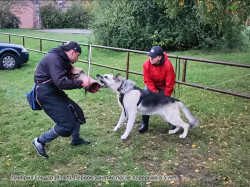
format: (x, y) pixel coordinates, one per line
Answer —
(121, 121)
(130, 124)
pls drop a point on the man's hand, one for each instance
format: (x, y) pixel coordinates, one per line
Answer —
(88, 83)
(85, 82)
(76, 71)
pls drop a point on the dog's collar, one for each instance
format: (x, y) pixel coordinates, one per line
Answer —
(120, 88)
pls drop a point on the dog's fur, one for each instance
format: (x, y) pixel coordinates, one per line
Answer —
(133, 103)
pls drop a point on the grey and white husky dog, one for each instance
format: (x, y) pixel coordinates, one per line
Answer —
(134, 100)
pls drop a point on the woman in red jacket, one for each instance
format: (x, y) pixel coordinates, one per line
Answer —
(159, 77)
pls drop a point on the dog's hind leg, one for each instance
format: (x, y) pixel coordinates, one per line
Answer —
(179, 123)
(173, 117)
(185, 126)
(121, 121)
(130, 124)
(165, 117)
(174, 131)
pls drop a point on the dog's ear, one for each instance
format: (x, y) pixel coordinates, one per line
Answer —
(117, 77)
(127, 85)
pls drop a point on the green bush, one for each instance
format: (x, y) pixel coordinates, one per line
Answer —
(10, 21)
(174, 25)
(74, 17)
(51, 17)
(124, 24)
(142, 24)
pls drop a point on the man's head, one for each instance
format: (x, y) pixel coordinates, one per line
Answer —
(155, 55)
(73, 51)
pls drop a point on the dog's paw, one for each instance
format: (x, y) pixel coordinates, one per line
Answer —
(116, 128)
(124, 137)
(171, 132)
(182, 136)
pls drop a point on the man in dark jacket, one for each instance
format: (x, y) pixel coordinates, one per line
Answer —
(52, 75)
(159, 77)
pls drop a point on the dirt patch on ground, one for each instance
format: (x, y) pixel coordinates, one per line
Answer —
(193, 165)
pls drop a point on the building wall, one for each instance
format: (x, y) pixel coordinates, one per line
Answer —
(26, 14)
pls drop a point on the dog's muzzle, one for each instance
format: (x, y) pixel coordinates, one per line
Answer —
(102, 82)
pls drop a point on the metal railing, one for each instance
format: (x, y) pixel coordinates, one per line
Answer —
(127, 71)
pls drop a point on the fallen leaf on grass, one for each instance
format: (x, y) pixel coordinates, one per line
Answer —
(210, 159)
(79, 169)
(196, 170)
(99, 184)
(106, 182)
(211, 124)
(151, 164)
(171, 182)
(7, 163)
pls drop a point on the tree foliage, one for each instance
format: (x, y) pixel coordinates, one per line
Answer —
(7, 18)
(227, 19)
(74, 17)
(124, 24)
(172, 24)
(51, 17)
(10, 21)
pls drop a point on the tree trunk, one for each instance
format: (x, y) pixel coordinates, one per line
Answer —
(37, 14)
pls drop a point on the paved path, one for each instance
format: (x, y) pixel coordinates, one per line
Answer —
(72, 31)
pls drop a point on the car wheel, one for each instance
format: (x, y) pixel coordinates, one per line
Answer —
(8, 61)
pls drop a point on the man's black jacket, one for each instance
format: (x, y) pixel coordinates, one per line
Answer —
(57, 67)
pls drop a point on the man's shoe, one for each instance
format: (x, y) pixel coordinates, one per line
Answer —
(79, 142)
(39, 148)
(143, 128)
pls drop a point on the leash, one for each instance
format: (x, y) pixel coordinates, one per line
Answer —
(89, 61)
(89, 58)
(121, 96)
(177, 92)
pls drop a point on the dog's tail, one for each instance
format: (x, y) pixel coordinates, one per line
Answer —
(192, 120)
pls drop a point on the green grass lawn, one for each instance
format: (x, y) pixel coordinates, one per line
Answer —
(214, 154)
